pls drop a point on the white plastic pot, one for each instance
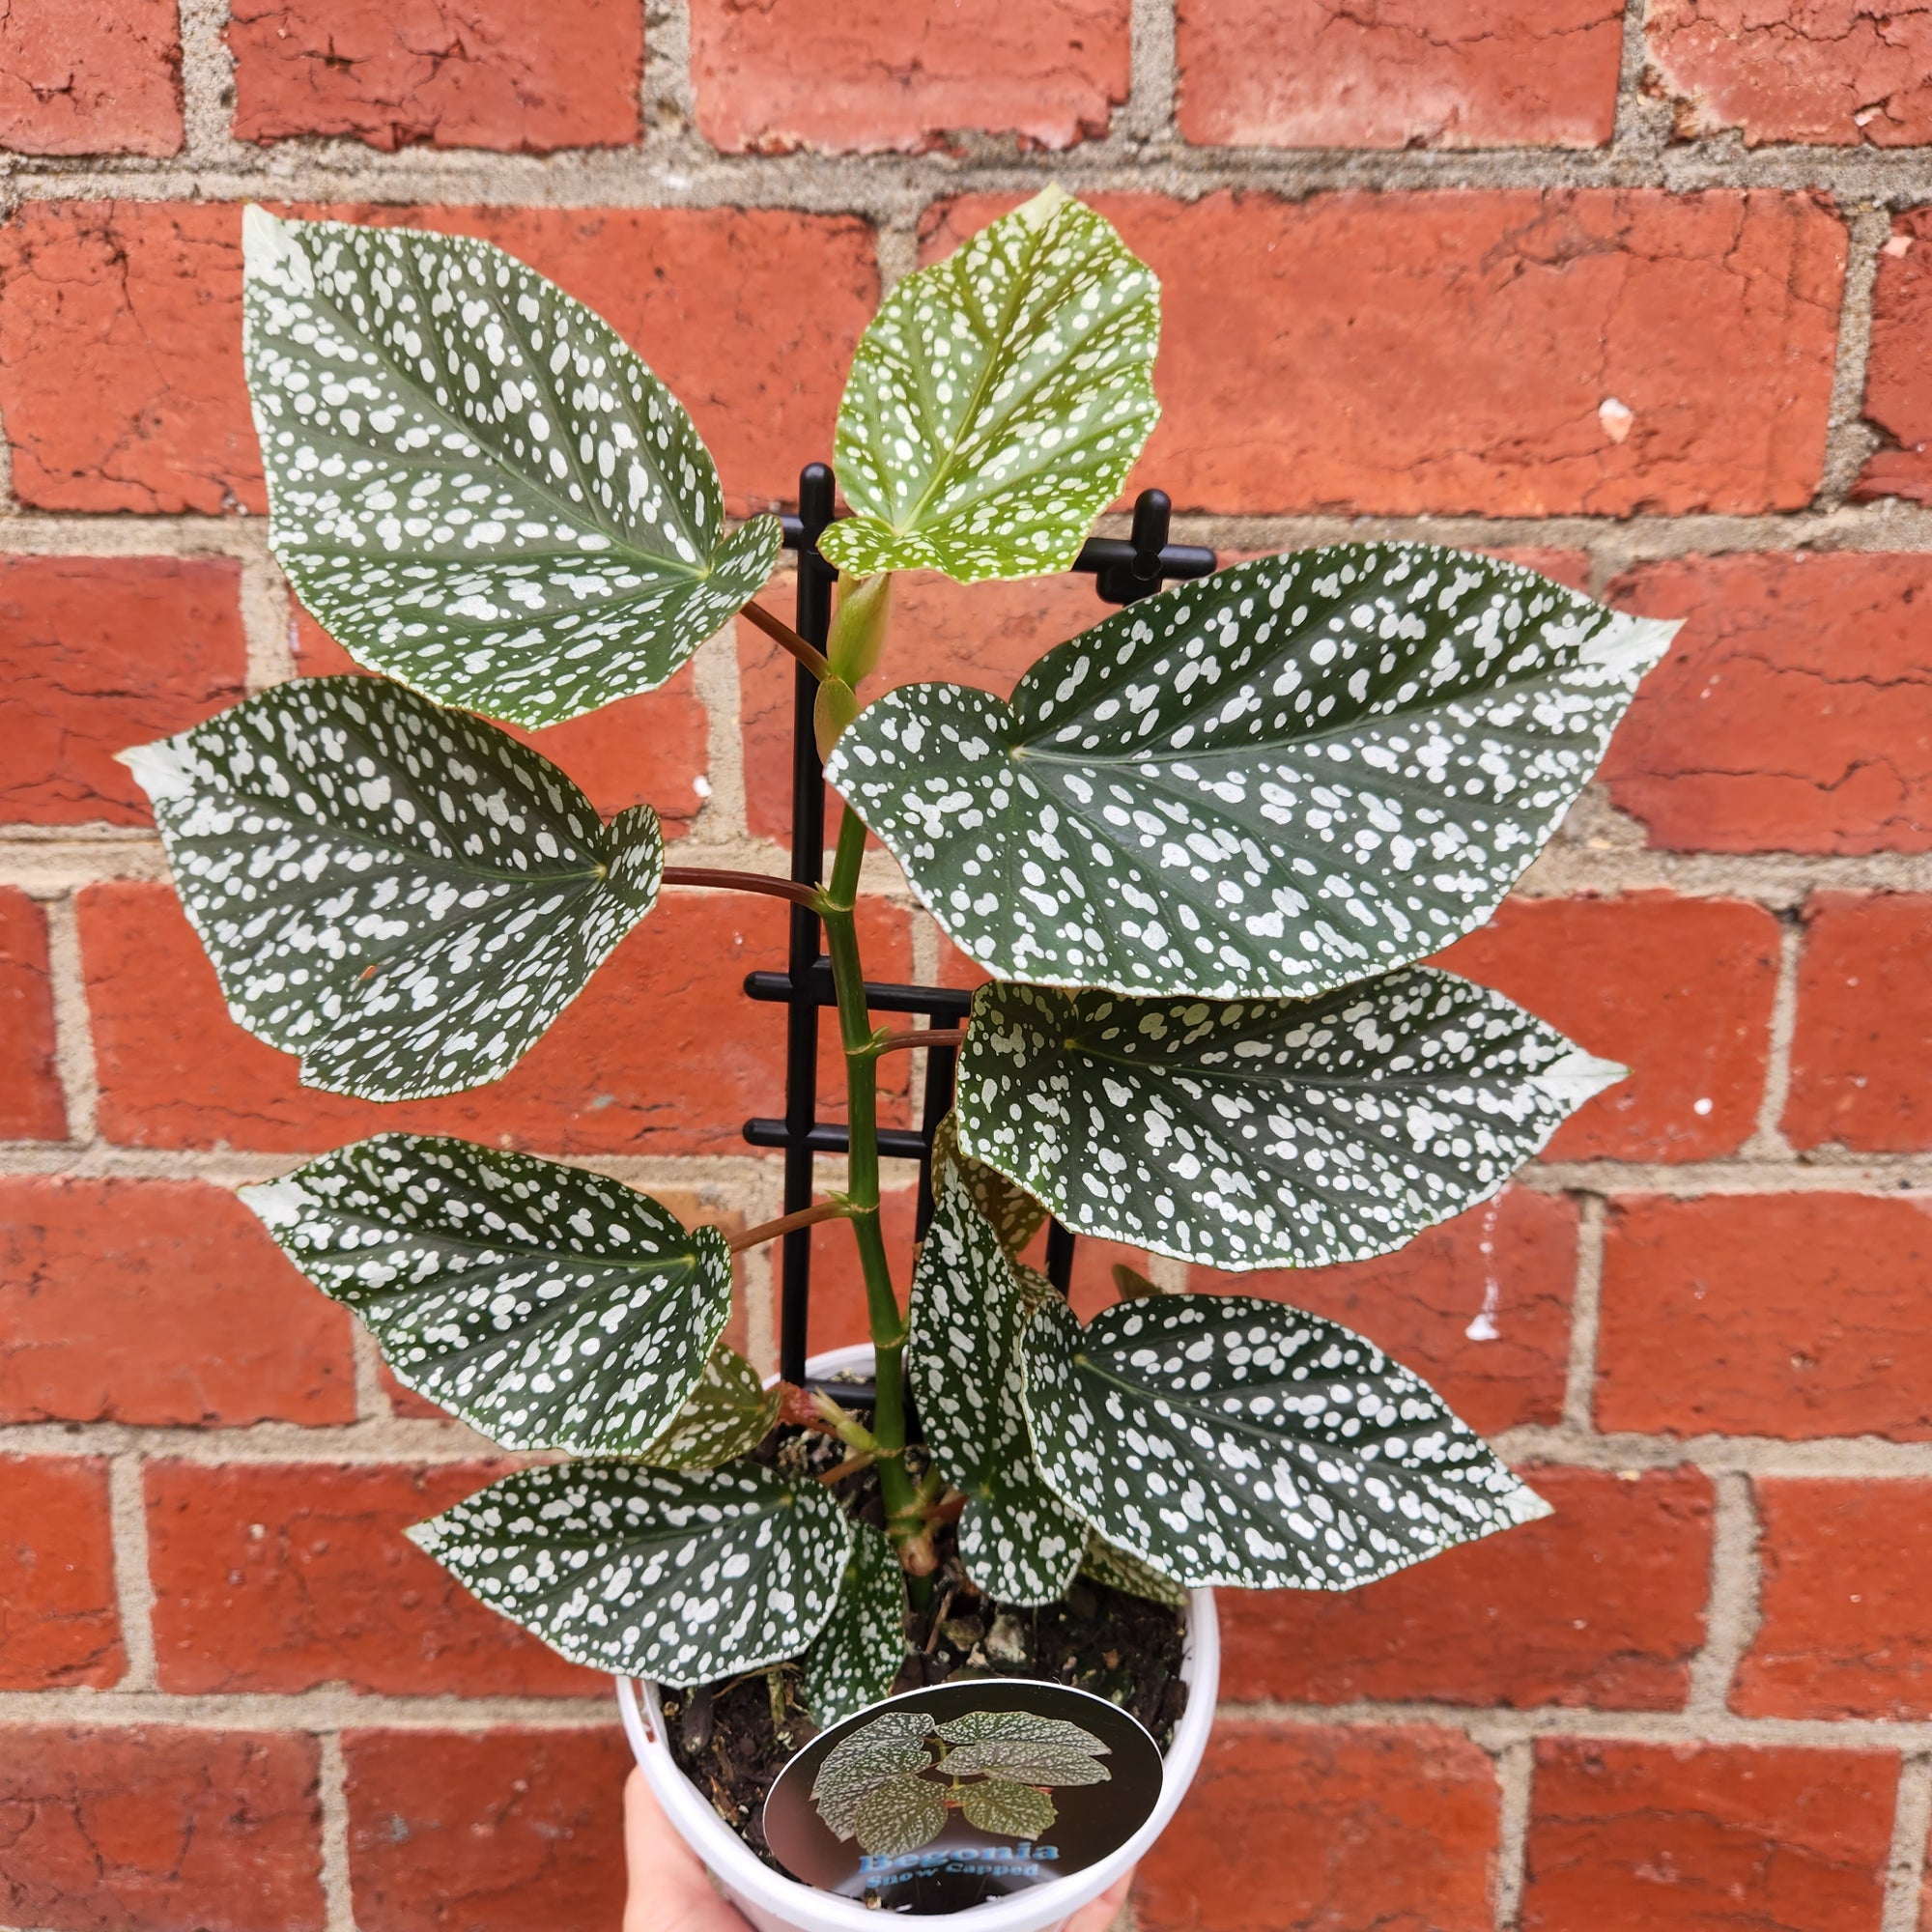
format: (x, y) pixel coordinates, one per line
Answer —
(775, 1903)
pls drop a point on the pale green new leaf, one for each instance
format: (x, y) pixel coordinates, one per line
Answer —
(893, 1744)
(898, 1817)
(727, 1413)
(651, 1573)
(1266, 1133)
(1229, 1440)
(546, 1306)
(998, 400)
(405, 897)
(1006, 1809)
(1292, 773)
(858, 1654)
(1120, 1570)
(1019, 1545)
(474, 481)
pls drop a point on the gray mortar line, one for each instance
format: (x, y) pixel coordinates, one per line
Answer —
(134, 1585)
(668, 100)
(1497, 1727)
(1831, 1173)
(372, 1399)
(1905, 1867)
(1731, 1614)
(676, 167)
(1153, 84)
(721, 819)
(1516, 1770)
(1849, 438)
(337, 1889)
(330, 1708)
(1579, 1380)
(1768, 1140)
(1642, 128)
(74, 1033)
(1493, 1728)
(1887, 526)
(208, 89)
(268, 614)
(383, 1438)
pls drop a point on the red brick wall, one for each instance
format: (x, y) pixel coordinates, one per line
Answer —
(1649, 304)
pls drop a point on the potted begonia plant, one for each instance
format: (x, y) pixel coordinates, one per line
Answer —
(1201, 851)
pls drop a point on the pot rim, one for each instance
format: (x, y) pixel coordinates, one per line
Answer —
(752, 1882)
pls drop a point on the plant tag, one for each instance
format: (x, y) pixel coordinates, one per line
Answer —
(951, 1796)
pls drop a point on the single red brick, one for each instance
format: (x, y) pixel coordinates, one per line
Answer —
(1898, 386)
(1458, 351)
(160, 1826)
(1478, 1307)
(481, 73)
(486, 1831)
(283, 1576)
(1678, 990)
(31, 1104)
(1783, 1314)
(1705, 1837)
(1601, 1605)
(1322, 1829)
(1813, 71)
(96, 78)
(1794, 712)
(162, 1302)
(871, 77)
(121, 336)
(653, 750)
(1471, 73)
(1844, 1615)
(58, 1619)
(81, 676)
(661, 1054)
(1862, 1051)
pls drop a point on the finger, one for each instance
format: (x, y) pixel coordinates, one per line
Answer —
(669, 1889)
(1104, 1910)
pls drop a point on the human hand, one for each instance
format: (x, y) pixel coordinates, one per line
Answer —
(671, 1891)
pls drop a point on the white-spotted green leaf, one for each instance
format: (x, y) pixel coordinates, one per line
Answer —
(546, 1306)
(998, 400)
(405, 897)
(1230, 1440)
(1017, 1542)
(1120, 1570)
(858, 1654)
(1024, 1745)
(474, 481)
(1006, 1809)
(898, 1817)
(1266, 1133)
(893, 1744)
(1292, 773)
(727, 1413)
(651, 1573)
(1016, 1217)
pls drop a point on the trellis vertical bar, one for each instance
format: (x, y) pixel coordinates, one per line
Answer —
(814, 623)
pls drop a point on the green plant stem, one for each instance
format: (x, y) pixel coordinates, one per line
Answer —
(837, 907)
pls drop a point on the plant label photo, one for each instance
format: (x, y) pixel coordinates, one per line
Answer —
(960, 1793)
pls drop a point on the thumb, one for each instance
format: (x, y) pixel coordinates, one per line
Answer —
(669, 1889)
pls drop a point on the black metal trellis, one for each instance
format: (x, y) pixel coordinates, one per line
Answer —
(1125, 569)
